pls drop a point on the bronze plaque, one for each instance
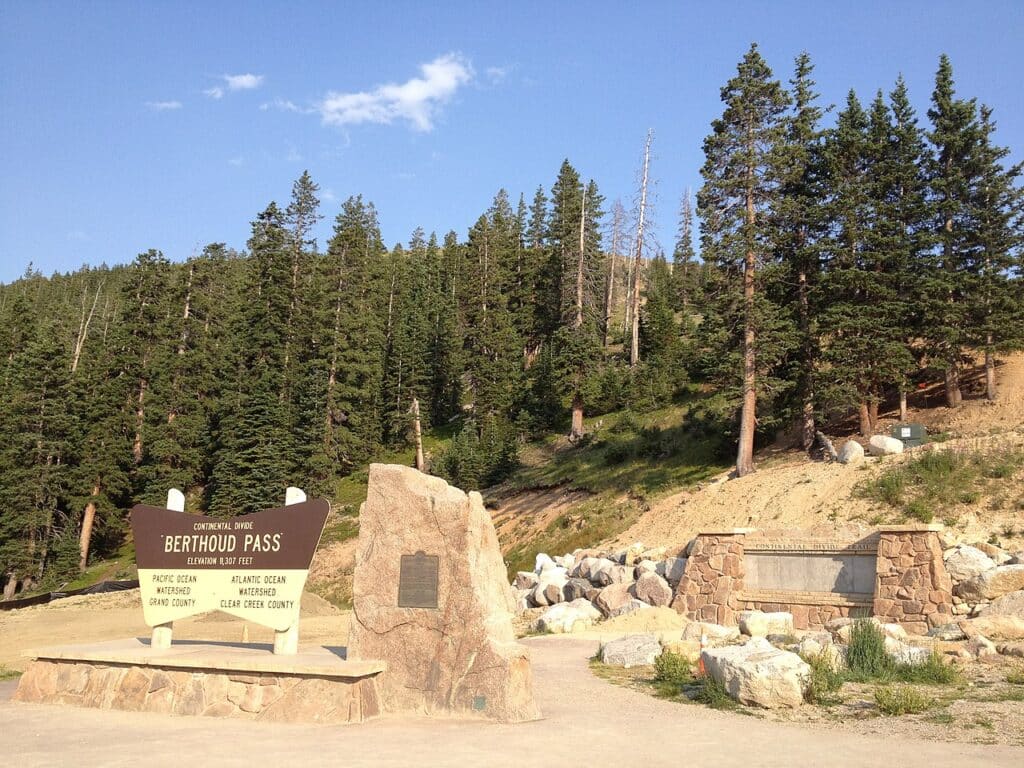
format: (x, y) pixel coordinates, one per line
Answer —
(417, 581)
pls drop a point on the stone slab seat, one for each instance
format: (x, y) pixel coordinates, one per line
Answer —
(249, 681)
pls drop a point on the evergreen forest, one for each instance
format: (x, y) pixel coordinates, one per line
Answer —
(832, 259)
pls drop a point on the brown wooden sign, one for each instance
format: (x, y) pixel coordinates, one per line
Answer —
(252, 566)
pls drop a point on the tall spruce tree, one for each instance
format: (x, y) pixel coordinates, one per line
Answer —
(742, 173)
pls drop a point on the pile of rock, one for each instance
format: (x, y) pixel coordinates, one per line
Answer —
(987, 581)
(593, 585)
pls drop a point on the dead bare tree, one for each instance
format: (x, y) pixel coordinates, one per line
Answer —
(83, 326)
(618, 223)
(638, 249)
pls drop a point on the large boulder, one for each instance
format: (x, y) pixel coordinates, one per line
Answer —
(712, 634)
(999, 556)
(451, 658)
(631, 651)
(585, 567)
(966, 562)
(1010, 604)
(760, 624)
(576, 589)
(852, 452)
(991, 584)
(566, 561)
(672, 569)
(525, 580)
(612, 598)
(883, 445)
(613, 574)
(632, 606)
(568, 617)
(542, 562)
(759, 674)
(549, 589)
(652, 589)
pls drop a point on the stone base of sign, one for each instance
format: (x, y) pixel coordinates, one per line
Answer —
(317, 685)
(458, 658)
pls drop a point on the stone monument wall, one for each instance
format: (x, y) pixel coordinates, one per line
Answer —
(713, 579)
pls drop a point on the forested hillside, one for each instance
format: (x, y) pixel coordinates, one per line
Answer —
(841, 262)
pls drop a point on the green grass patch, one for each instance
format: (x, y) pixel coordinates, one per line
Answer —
(902, 700)
(8, 674)
(713, 694)
(1016, 677)
(931, 484)
(825, 680)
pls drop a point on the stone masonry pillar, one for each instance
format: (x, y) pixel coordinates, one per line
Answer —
(912, 587)
(713, 579)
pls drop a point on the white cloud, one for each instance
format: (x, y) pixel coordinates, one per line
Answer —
(163, 106)
(246, 82)
(284, 105)
(417, 100)
(497, 74)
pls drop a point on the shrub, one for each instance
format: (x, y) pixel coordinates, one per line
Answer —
(673, 669)
(825, 680)
(1016, 677)
(866, 657)
(920, 509)
(934, 671)
(901, 700)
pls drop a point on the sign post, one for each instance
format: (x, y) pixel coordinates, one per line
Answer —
(251, 566)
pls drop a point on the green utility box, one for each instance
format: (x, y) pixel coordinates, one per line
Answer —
(912, 435)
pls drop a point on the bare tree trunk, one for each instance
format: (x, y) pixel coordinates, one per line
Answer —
(140, 417)
(952, 386)
(634, 345)
(628, 322)
(873, 414)
(990, 371)
(903, 405)
(748, 416)
(10, 586)
(576, 431)
(418, 435)
(85, 538)
(609, 293)
(865, 418)
(83, 328)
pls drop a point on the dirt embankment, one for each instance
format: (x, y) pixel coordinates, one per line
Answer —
(788, 491)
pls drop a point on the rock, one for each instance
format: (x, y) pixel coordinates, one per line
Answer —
(993, 583)
(883, 445)
(653, 554)
(613, 597)
(688, 649)
(542, 562)
(644, 566)
(1002, 627)
(631, 651)
(840, 629)
(568, 617)
(1010, 604)
(980, 646)
(585, 567)
(1016, 559)
(713, 634)
(632, 606)
(652, 589)
(852, 452)
(760, 624)
(600, 572)
(966, 562)
(672, 569)
(613, 574)
(576, 589)
(464, 653)
(525, 580)
(1011, 649)
(902, 653)
(758, 674)
(999, 556)
(523, 602)
(948, 632)
(566, 561)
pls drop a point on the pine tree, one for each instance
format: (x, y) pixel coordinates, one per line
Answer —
(683, 256)
(953, 176)
(741, 179)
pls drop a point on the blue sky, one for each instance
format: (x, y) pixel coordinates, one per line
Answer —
(126, 126)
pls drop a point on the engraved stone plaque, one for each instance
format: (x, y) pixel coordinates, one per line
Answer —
(417, 581)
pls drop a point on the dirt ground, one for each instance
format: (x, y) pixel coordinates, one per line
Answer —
(94, 618)
(584, 718)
